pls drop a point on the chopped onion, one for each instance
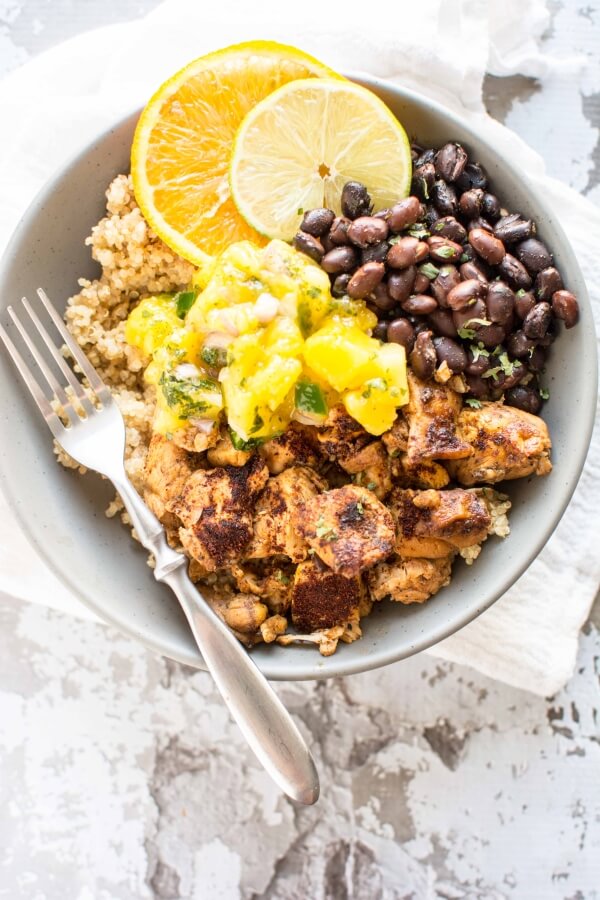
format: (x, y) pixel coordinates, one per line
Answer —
(306, 418)
(186, 370)
(227, 322)
(204, 425)
(218, 339)
(266, 308)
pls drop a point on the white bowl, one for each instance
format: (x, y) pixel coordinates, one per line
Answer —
(63, 513)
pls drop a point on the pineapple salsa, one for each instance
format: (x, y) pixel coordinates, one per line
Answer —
(259, 336)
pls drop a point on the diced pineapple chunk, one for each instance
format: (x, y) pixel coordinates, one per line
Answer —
(151, 323)
(374, 404)
(341, 354)
(181, 346)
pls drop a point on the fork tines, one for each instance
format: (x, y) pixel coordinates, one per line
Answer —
(97, 387)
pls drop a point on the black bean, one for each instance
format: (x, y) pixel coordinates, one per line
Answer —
(464, 294)
(505, 381)
(565, 307)
(309, 245)
(500, 302)
(524, 303)
(423, 180)
(519, 345)
(327, 242)
(423, 358)
(451, 353)
(451, 228)
(338, 233)
(490, 207)
(450, 161)
(376, 252)
(342, 259)
(524, 397)
(382, 298)
(479, 387)
(442, 323)
(471, 202)
(537, 321)
(534, 255)
(400, 331)
(463, 318)
(404, 213)
(355, 200)
(421, 283)
(470, 270)
(380, 331)
(426, 156)
(477, 363)
(514, 272)
(431, 217)
(468, 254)
(317, 221)
(489, 335)
(444, 198)
(444, 250)
(480, 222)
(340, 285)
(512, 229)
(367, 230)
(365, 280)
(401, 284)
(473, 176)
(536, 360)
(420, 305)
(406, 252)
(487, 246)
(547, 282)
(447, 278)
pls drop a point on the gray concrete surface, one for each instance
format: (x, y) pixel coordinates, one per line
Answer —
(122, 777)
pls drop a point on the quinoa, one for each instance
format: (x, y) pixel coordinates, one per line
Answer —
(135, 263)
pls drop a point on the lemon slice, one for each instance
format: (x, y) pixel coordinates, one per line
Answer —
(182, 144)
(298, 147)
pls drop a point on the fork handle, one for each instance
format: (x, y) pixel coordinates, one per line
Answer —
(258, 711)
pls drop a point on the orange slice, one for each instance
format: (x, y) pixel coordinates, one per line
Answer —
(182, 144)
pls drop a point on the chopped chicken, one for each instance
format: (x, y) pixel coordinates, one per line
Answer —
(349, 529)
(507, 443)
(272, 583)
(194, 439)
(432, 414)
(426, 474)
(297, 446)
(396, 439)
(322, 598)
(272, 627)
(277, 514)
(409, 580)
(341, 436)
(166, 470)
(216, 508)
(371, 466)
(326, 639)
(224, 453)
(433, 524)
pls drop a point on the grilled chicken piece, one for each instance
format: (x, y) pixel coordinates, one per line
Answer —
(277, 514)
(372, 467)
(349, 529)
(297, 446)
(433, 524)
(341, 436)
(322, 598)
(432, 414)
(409, 580)
(224, 453)
(396, 439)
(507, 443)
(166, 470)
(216, 508)
(271, 580)
(424, 475)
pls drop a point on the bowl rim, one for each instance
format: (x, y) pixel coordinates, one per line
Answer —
(339, 664)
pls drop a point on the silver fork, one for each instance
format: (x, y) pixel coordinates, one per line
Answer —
(97, 441)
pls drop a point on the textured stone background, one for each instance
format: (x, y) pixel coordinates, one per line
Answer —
(122, 777)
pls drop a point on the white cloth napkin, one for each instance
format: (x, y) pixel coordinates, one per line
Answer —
(57, 102)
